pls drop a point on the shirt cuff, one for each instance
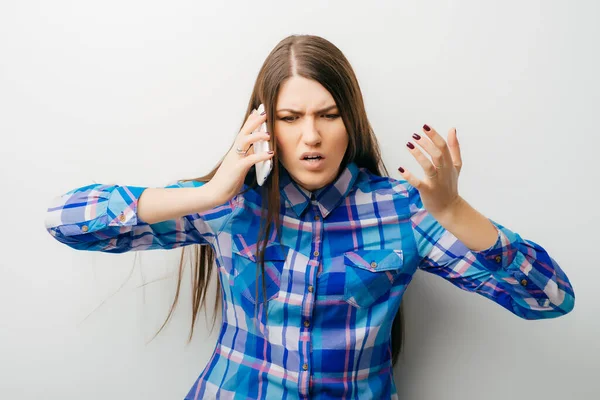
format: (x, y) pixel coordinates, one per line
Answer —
(98, 208)
(502, 253)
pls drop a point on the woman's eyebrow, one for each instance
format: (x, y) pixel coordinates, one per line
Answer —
(328, 108)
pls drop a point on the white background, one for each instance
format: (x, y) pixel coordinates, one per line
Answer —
(146, 92)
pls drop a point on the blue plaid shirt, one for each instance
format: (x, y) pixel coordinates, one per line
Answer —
(333, 284)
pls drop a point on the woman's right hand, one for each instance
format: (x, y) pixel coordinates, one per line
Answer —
(229, 178)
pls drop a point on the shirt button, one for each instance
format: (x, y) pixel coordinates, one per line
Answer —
(306, 323)
(373, 264)
(498, 259)
(305, 366)
(316, 217)
(316, 254)
(310, 288)
(84, 228)
(122, 217)
(523, 282)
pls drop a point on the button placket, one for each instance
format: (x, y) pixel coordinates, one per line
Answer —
(317, 229)
(308, 303)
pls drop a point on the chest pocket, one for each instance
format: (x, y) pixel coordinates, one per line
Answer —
(369, 274)
(246, 267)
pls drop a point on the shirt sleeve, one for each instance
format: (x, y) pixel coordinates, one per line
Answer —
(104, 218)
(515, 273)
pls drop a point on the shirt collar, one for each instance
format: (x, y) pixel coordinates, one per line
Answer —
(326, 198)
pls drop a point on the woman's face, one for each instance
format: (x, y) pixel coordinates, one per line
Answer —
(307, 121)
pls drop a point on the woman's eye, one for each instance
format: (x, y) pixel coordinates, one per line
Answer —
(291, 118)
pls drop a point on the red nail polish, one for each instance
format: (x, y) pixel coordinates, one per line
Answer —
(417, 137)
(427, 128)
(410, 145)
(401, 169)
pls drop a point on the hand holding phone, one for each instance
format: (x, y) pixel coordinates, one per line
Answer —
(243, 155)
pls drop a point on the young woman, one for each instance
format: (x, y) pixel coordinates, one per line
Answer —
(312, 265)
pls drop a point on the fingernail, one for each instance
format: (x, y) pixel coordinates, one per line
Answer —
(267, 133)
(410, 145)
(417, 137)
(263, 113)
(427, 128)
(401, 169)
(270, 152)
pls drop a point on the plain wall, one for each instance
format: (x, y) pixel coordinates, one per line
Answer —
(147, 92)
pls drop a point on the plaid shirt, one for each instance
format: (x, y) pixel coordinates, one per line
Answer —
(333, 285)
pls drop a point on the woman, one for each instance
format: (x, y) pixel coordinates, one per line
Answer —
(313, 264)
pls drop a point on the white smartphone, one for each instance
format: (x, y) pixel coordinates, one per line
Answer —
(262, 168)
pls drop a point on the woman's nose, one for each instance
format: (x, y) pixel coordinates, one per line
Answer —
(310, 133)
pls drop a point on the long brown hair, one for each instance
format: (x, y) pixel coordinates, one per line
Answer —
(315, 58)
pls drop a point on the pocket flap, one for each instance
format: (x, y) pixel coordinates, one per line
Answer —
(273, 252)
(375, 260)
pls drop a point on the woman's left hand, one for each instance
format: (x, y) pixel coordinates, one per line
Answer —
(439, 188)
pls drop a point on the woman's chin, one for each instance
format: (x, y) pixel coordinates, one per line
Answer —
(313, 180)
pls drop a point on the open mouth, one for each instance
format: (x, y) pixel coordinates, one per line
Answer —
(313, 163)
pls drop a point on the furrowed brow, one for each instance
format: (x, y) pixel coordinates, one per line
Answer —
(328, 108)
